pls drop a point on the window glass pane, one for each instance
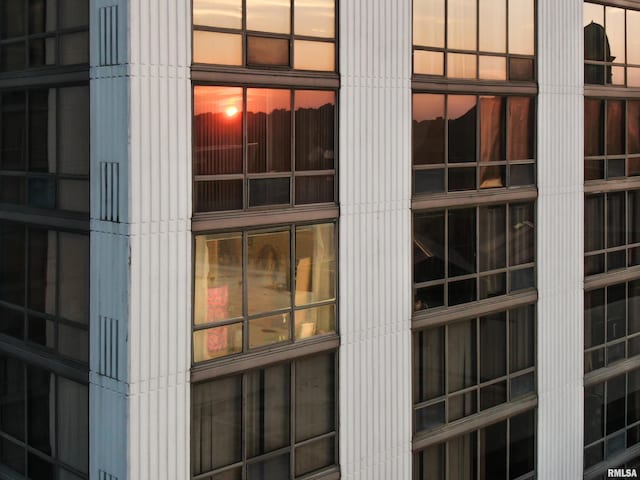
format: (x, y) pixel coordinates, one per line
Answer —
(633, 39)
(428, 23)
(267, 51)
(429, 463)
(14, 134)
(615, 404)
(38, 132)
(493, 451)
(461, 24)
(461, 65)
(316, 455)
(593, 127)
(268, 130)
(43, 265)
(217, 342)
(315, 124)
(12, 397)
(492, 68)
(217, 48)
(616, 311)
(73, 13)
(12, 13)
(522, 234)
(315, 18)
(521, 20)
(492, 129)
(615, 219)
(12, 274)
(428, 129)
(493, 26)
(633, 397)
(217, 128)
(42, 52)
(216, 424)
(314, 56)
(615, 127)
(74, 277)
(428, 63)
(463, 405)
(462, 291)
(461, 114)
(73, 195)
(522, 438)
(41, 410)
(462, 179)
(268, 271)
(521, 128)
(73, 130)
(428, 364)
(493, 285)
(41, 192)
(269, 191)
(493, 251)
(430, 417)
(493, 342)
(462, 242)
(73, 48)
(73, 424)
(12, 456)
(315, 321)
(38, 467)
(315, 264)
(217, 195)
(428, 181)
(273, 467)
(218, 278)
(315, 396)
(594, 318)
(269, 330)
(462, 457)
(615, 33)
(633, 77)
(633, 126)
(428, 246)
(73, 343)
(634, 307)
(12, 56)
(218, 13)
(12, 323)
(268, 410)
(268, 15)
(12, 189)
(461, 355)
(520, 69)
(594, 223)
(493, 395)
(315, 189)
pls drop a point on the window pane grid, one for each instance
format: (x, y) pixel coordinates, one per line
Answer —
(610, 34)
(469, 142)
(495, 38)
(263, 147)
(299, 50)
(438, 363)
(266, 416)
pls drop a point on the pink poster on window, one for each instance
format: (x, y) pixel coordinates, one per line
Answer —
(217, 301)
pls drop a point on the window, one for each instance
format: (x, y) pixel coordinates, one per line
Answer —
(612, 139)
(468, 254)
(277, 422)
(44, 294)
(263, 147)
(44, 423)
(469, 142)
(474, 39)
(262, 287)
(612, 231)
(469, 366)
(503, 450)
(611, 45)
(43, 33)
(611, 417)
(612, 324)
(44, 148)
(280, 34)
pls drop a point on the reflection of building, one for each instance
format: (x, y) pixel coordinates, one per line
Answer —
(596, 48)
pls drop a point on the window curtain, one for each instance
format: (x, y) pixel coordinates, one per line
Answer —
(73, 424)
(522, 338)
(461, 355)
(462, 457)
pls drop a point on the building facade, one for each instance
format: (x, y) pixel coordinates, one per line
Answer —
(319, 239)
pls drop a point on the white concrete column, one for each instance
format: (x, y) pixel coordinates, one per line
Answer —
(375, 239)
(141, 239)
(560, 239)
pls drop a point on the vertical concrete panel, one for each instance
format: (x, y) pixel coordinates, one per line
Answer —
(141, 264)
(560, 239)
(375, 239)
